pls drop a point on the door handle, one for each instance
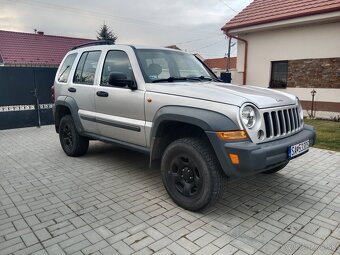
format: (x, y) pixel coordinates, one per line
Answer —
(102, 94)
(72, 89)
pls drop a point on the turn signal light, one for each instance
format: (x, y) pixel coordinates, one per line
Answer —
(234, 159)
(233, 135)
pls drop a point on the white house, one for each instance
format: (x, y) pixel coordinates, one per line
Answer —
(292, 46)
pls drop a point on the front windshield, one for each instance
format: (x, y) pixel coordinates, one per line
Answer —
(167, 66)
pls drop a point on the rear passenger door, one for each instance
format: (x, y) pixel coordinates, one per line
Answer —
(82, 90)
(120, 110)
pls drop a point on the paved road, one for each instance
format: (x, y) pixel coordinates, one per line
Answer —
(110, 202)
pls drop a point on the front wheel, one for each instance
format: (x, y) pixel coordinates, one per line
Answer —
(191, 173)
(72, 143)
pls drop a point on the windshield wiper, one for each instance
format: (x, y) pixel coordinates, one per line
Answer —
(200, 78)
(172, 79)
(209, 79)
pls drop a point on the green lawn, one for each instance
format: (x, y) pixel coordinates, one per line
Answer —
(327, 133)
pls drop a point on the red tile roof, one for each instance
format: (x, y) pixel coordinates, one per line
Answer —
(221, 63)
(266, 11)
(35, 49)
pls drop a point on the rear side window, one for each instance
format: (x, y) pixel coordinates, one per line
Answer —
(66, 67)
(86, 68)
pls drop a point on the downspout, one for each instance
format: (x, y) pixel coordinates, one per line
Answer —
(245, 54)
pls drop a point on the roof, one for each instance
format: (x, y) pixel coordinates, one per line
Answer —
(221, 63)
(18, 48)
(267, 11)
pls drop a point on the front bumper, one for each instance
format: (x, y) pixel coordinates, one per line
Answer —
(255, 158)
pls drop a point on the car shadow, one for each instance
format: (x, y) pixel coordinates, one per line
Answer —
(247, 196)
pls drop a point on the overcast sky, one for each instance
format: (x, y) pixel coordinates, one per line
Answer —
(193, 25)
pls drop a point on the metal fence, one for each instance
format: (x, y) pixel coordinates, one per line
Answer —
(25, 96)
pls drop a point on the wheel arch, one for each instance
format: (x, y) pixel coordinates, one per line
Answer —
(174, 122)
(63, 106)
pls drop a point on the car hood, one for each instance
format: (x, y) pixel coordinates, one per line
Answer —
(225, 93)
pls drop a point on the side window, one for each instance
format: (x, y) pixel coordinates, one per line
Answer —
(86, 68)
(116, 62)
(66, 68)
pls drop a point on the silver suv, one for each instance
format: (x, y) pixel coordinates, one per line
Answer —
(168, 104)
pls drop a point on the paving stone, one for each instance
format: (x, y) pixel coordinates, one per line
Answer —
(77, 247)
(226, 250)
(106, 203)
(158, 245)
(205, 240)
(42, 234)
(271, 247)
(55, 240)
(95, 247)
(290, 247)
(92, 236)
(109, 251)
(177, 249)
(331, 243)
(164, 251)
(55, 250)
(29, 250)
(70, 241)
(40, 252)
(190, 246)
(29, 239)
(122, 248)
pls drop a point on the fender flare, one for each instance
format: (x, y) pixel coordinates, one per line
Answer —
(71, 104)
(207, 120)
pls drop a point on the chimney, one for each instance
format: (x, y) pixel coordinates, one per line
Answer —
(40, 33)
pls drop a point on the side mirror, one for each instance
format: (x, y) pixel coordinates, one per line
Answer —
(120, 80)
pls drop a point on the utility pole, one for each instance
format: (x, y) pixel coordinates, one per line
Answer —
(229, 48)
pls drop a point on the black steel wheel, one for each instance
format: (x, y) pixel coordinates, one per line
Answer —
(72, 143)
(191, 173)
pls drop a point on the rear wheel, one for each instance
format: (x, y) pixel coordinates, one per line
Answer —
(191, 173)
(72, 143)
(276, 169)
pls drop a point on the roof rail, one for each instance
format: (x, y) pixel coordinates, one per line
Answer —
(100, 42)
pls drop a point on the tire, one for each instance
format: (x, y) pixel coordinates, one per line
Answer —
(276, 169)
(192, 174)
(72, 143)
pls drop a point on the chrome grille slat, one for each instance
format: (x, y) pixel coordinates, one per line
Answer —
(281, 122)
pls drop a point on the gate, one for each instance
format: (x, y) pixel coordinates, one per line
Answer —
(25, 96)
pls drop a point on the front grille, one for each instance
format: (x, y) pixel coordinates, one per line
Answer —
(282, 122)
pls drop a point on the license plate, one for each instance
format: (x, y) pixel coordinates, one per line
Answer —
(298, 149)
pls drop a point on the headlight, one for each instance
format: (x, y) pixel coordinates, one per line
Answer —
(248, 116)
(300, 110)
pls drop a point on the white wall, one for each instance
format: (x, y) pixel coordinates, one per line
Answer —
(303, 42)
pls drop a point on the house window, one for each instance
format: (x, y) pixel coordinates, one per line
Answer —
(279, 74)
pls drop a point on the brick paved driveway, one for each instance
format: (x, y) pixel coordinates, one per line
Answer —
(110, 202)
